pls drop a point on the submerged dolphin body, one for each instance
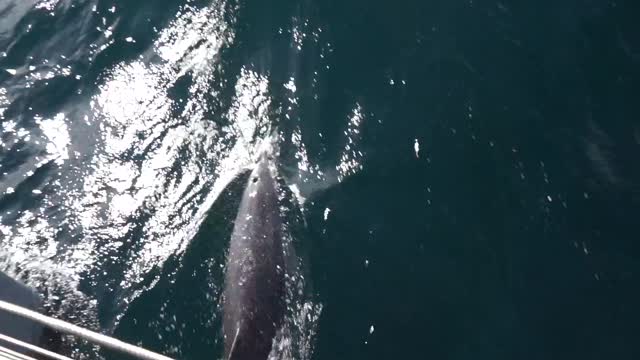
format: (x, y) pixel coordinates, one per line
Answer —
(253, 297)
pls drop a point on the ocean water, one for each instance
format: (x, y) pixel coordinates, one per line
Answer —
(460, 179)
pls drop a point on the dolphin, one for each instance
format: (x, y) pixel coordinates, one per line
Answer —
(253, 296)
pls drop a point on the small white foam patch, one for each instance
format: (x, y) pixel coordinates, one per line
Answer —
(296, 191)
(350, 161)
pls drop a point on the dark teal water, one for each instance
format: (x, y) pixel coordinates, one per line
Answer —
(462, 178)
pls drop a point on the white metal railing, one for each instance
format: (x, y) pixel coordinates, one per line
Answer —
(6, 354)
(70, 329)
(32, 348)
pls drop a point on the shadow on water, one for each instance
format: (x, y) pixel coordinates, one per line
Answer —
(179, 316)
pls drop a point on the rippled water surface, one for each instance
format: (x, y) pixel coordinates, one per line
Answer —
(460, 178)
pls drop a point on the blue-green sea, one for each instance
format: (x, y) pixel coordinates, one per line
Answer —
(461, 177)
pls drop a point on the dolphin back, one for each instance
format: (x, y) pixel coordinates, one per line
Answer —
(253, 297)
